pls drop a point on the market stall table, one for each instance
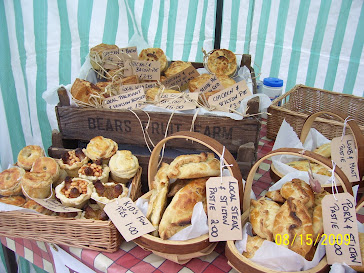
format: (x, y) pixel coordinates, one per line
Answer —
(132, 258)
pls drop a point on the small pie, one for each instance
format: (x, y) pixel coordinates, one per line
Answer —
(155, 92)
(222, 61)
(154, 54)
(18, 201)
(101, 147)
(93, 211)
(10, 181)
(72, 161)
(74, 192)
(123, 166)
(83, 90)
(108, 192)
(176, 67)
(48, 165)
(203, 78)
(37, 185)
(28, 155)
(95, 171)
(31, 204)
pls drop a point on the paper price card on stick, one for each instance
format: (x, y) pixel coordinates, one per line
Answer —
(343, 153)
(128, 100)
(182, 77)
(340, 236)
(146, 70)
(223, 209)
(213, 84)
(54, 205)
(230, 98)
(128, 219)
(179, 102)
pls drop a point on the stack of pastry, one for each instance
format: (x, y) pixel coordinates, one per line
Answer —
(190, 173)
(294, 211)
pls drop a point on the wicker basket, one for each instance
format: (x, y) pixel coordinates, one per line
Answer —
(82, 233)
(301, 101)
(243, 264)
(183, 251)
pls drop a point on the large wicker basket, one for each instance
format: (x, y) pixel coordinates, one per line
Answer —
(183, 251)
(82, 233)
(301, 101)
(243, 264)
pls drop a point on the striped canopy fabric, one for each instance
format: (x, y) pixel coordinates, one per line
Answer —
(43, 45)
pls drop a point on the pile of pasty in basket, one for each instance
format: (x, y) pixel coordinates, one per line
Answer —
(86, 178)
(171, 204)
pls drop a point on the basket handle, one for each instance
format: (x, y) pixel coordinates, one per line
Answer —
(358, 136)
(210, 143)
(339, 174)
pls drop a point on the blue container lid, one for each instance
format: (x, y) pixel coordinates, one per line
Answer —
(273, 82)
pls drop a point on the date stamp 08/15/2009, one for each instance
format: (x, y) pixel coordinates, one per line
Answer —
(308, 239)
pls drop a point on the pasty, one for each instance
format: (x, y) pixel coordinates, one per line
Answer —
(176, 67)
(275, 196)
(324, 150)
(298, 189)
(203, 78)
(31, 204)
(303, 165)
(10, 181)
(222, 61)
(154, 54)
(155, 92)
(18, 201)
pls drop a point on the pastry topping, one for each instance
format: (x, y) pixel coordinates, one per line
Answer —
(91, 169)
(118, 189)
(99, 188)
(72, 157)
(74, 189)
(110, 192)
(68, 214)
(153, 56)
(97, 214)
(74, 193)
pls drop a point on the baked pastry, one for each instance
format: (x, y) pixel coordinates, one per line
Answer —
(101, 147)
(154, 54)
(28, 155)
(253, 243)
(31, 204)
(72, 161)
(176, 186)
(158, 200)
(317, 221)
(178, 214)
(155, 92)
(37, 185)
(93, 211)
(74, 192)
(298, 189)
(18, 201)
(96, 59)
(222, 61)
(324, 150)
(359, 268)
(203, 78)
(48, 165)
(194, 166)
(262, 215)
(83, 91)
(176, 67)
(95, 171)
(108, 192)
(303, 165)
(275, 196)
(294, 220)
(10, 181)
(123, 166)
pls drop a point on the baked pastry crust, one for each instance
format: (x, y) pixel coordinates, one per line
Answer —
(161, 176)
(37, 185)
(10, 181)
(253, 243)
(31, 204)
(154, 54)
(262, 215)
(18, 201)
(96, 54)
(293, 219)
(203, 78)
(123, 166)
(72, 161)
(178, 214)
(194, 166)
(101, 196)
(275, 196)
(79, 201)
(324, 150)
(28, 155)
(176, 67)
(100, 147)
(222, 61)
(82, 90)
(48, 165)
(155, 92)
(303, 165)
(94, 172)
(298, 189)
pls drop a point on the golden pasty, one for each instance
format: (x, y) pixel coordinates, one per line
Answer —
(194, 166)
(361, 242)
(96, 55)
(72, 161)
(108, 192)
(262, 215)
(317, 221)
(324, 150)
(253, 243)
(161, 176)
(123, 166)
(154, 54)
(10, 181)
(48, 165)
(222, 61)
(293, 220)
(176, 67)
(178, 214)
(28, 155)
(83, 91)
(176, 186)
(303, 165)
(203, 78)
(275, 196)
(298, 189)
(37, 185)
(13, 200)
(31, 204)
(155, 92)
(95, 171)
(101, 148)
(74, 192)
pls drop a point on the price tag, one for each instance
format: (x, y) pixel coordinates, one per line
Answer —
(54, 205)
(182, 77)
(129, 100)
(231, 97)
(146, 70)
(340, 236)
(114, 58)
(131, 51)
(213, 84)
(128, 219)
(131, 87)
(174, 101)
(223, 209)
(343, 153)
